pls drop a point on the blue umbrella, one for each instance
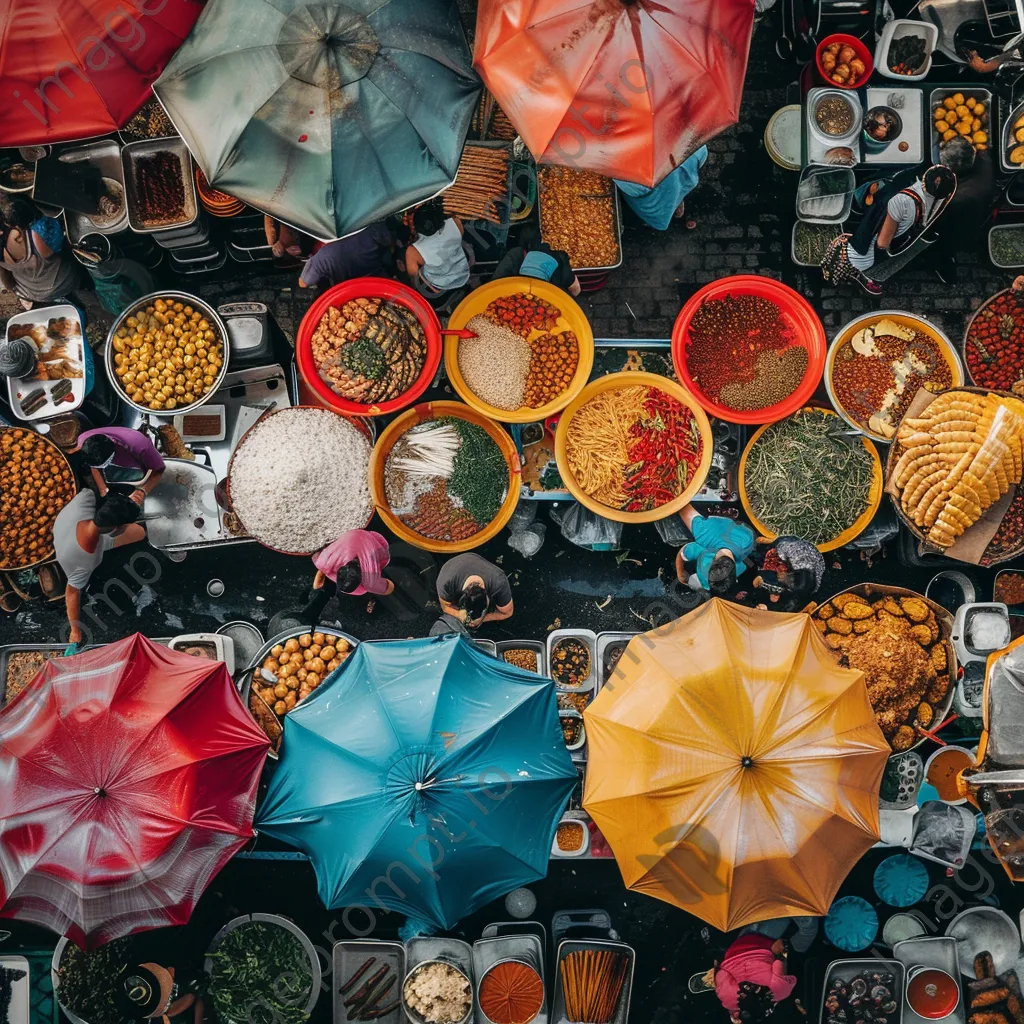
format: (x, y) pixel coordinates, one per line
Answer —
(423, 777)
(327, 115)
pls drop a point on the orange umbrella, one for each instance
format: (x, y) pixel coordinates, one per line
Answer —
(734, 767)
(629, 88)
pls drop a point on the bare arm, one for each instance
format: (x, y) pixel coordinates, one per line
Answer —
(41, 247)
(101, 484)
(149, 481)
(413, 262)
(885, 236)
(73, 600)
(502, 612)
(575, 288)
(688, 513)
(450, 609)
(681, 573)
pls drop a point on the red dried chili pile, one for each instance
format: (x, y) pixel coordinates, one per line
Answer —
(523, 313)
(994, 349)
(666, 453)
(735, 352)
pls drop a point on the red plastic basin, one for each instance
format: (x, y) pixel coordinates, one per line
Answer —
(797, 313)
(359, 288)
(862, 51)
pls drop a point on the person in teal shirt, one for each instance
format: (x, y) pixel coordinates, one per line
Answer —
(658, 206)
(715, 558)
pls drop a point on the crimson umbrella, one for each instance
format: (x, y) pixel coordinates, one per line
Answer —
(73, 69)
(629, 88)
(129, 780)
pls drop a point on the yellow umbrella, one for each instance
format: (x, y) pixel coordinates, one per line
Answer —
(734, 767)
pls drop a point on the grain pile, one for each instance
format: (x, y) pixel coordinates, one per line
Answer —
(299, 479)
(495, 363)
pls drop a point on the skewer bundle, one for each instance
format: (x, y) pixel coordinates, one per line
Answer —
(481, 181)
(592, 982)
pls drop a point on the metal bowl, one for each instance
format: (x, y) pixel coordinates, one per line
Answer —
(417, 1018)
(210, 314)
(985, 928)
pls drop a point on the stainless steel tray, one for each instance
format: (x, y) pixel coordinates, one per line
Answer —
(567, 946)
(589, 637)
(536, 646)
(847, 970)
(130, 156)
(930, 951)
(616, 213)
(454, 951)
(487, 646)
(604, 641)
(348, 957)
(105, 155)
(937, 95)
(181, 512)
(488, 952)
(9, 649)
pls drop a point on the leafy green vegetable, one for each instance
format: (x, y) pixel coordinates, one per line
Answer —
(261, 975)
(480, 475)
(87, 980)
(364, 356)
(805, 477)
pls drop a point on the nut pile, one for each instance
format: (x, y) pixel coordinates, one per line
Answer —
(522, 657)
(36, 482)
(167, 355)
(553, 362)
(577, 215)
(899, 646)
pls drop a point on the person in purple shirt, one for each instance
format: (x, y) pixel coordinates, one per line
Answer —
(354, 564)
(366, 252)
(126, 456)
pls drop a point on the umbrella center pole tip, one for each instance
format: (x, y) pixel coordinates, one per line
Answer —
(747, 762)
(99, 791)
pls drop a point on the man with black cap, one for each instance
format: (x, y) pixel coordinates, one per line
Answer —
(151, 991)
(717, 554)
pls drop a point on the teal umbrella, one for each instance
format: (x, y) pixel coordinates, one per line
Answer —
(424, 777)
(326, 115)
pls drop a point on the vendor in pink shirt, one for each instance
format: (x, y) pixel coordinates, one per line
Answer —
(353, 564)
(752, 978)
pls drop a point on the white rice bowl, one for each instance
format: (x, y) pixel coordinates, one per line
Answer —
(299, 479)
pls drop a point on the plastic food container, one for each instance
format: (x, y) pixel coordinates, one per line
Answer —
(428, 411)
(862, 52)
(994, 234)
(575, 824)
(796, 311)
(573, 318)
(367, 287)
(898, 29)
(834, 206)
(849, 534)
(612, 382)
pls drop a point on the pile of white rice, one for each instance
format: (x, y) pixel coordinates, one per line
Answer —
(495, 364)
(300, 479)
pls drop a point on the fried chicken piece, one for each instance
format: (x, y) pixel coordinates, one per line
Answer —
(915, 609)
(863, 626)
(857, 610)
(826, 611)
(839, 625)
(892, 625)
(819, 625)
(842, 600)
(939, 658)
(904, 738)
(921, 633)
(933, 626)
(892, 606)
(937, 691)
(835, 641)
(878, 605)
(925, 714)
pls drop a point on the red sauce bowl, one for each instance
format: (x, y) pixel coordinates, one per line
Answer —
(359, 288)
(933, 994)
(796, 312)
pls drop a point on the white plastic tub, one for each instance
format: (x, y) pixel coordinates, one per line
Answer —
(897, 30)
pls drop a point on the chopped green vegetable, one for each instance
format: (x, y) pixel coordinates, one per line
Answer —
(261, 975)
(806, 477)
(1007, 247)
(365, 356)
(87, 980)
(480, 476)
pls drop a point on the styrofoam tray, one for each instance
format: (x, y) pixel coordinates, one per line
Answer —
(19, 388)
(913, 127)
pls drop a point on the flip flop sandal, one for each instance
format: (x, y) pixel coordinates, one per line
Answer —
(52, 582)
(10, 601)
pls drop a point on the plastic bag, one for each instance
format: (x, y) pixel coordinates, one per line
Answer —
(672, 531)
(587, 529)
(529, 541)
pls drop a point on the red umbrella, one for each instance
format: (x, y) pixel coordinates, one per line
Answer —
(72, 69)
(629, 88)
(129, 780)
